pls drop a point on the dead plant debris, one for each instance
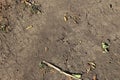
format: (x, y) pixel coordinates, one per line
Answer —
(91, 65)
(4, 25)
(74, 76)
(75, 18)
(65, 18)
(34, 8)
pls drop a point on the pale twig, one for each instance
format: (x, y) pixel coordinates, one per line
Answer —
(59, 70)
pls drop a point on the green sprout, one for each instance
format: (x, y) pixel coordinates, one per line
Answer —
(41, 65)
(36, 9)
(105, 47)
(77, 75)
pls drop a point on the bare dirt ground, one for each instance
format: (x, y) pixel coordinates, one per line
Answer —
(67, 33)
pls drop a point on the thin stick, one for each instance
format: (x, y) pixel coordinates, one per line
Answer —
(59, 70)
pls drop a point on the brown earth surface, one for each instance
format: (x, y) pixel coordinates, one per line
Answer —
(67, 33)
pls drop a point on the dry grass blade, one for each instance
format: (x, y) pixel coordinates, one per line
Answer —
(29, 27)
(62, 72)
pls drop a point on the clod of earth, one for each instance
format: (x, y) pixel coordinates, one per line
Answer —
(4, 25)
(94, 77)
(46, 49)
(1, 18)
